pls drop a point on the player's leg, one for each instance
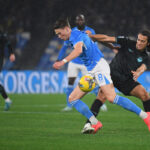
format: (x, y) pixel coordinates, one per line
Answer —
(104, 81)
(125, 103)
(5, 96)
(97, 104)
(134, 88)
(140, 92)
(95, 108)
(81, 107)
(72, 73)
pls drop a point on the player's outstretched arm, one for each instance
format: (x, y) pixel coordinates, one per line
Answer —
(103, 38)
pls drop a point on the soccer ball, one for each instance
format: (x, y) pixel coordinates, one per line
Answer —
(87, 83)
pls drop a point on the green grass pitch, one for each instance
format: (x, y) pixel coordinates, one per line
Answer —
(36, 122)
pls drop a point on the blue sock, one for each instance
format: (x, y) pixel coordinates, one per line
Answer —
(95, 91)
(68, 92)
(82, 108)
(126, 104)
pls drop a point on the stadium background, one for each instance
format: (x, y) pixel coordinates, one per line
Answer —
(35, 121)
(29, 25)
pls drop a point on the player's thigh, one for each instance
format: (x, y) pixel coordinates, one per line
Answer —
(103, 79)
(101, 96)
(76, 94)
(72, 70)
(102, 73)
(109, 92)
(140, 92)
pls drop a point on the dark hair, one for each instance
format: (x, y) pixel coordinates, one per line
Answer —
(61, 23)
(146, 33)
(80, 16)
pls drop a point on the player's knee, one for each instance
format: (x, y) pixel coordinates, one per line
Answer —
(71, 98)
(144, 96)
(110, 98)
(101, 98)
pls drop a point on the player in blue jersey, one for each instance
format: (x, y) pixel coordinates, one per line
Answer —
(76, 65)
(97, 67)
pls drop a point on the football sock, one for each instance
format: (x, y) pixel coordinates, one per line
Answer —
(126, 104)
(82, 108)
(95, 107)
(93, 120)
(2, 92)
(95, 91)
(7, 100)
(68, 92)
(143, 114)
(146, 105)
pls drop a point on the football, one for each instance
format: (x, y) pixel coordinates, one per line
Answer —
(87, 83)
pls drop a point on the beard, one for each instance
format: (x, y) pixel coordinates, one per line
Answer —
(81, 27)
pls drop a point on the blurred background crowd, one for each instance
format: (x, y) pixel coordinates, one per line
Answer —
(29, 25)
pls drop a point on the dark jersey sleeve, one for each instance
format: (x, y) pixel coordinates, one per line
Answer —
(147, 61)
(10, 48)
(122, 40)
(8, 44)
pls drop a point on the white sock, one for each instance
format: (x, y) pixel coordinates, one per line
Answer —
(7, 99)
(93, 120)
(143, 114)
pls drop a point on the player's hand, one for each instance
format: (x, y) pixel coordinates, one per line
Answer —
(57, 65)
(12, 57)
(88, 32)
(115, 50)
(135, 75)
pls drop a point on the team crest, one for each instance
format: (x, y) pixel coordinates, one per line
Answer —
(139, 59)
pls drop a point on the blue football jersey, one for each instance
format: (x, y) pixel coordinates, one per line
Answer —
(91, 54)
(67, 44)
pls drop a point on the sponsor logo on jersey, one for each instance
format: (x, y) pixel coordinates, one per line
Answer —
(139, 59)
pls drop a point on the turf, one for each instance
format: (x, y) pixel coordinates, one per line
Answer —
(36, 122)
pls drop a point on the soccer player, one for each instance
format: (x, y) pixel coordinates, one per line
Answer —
(3, 43)
(76, 65)
(97, 67)
(128, 64)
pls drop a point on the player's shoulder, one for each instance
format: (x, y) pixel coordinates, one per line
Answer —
(74, 28)
(75, 33)
(89, 28)
(125, 40)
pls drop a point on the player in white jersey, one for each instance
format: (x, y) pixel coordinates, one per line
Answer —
(96, 65)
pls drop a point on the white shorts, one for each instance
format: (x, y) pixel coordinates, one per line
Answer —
(74, 69)
(101, 73)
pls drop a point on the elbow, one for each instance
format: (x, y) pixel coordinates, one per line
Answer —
(79, 53)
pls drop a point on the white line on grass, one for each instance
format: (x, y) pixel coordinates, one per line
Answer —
(15, 112)
(51, 105)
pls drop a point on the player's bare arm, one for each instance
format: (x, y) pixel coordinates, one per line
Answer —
(75, 53)
(103, 38)
(110, 45)
(139, 71)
